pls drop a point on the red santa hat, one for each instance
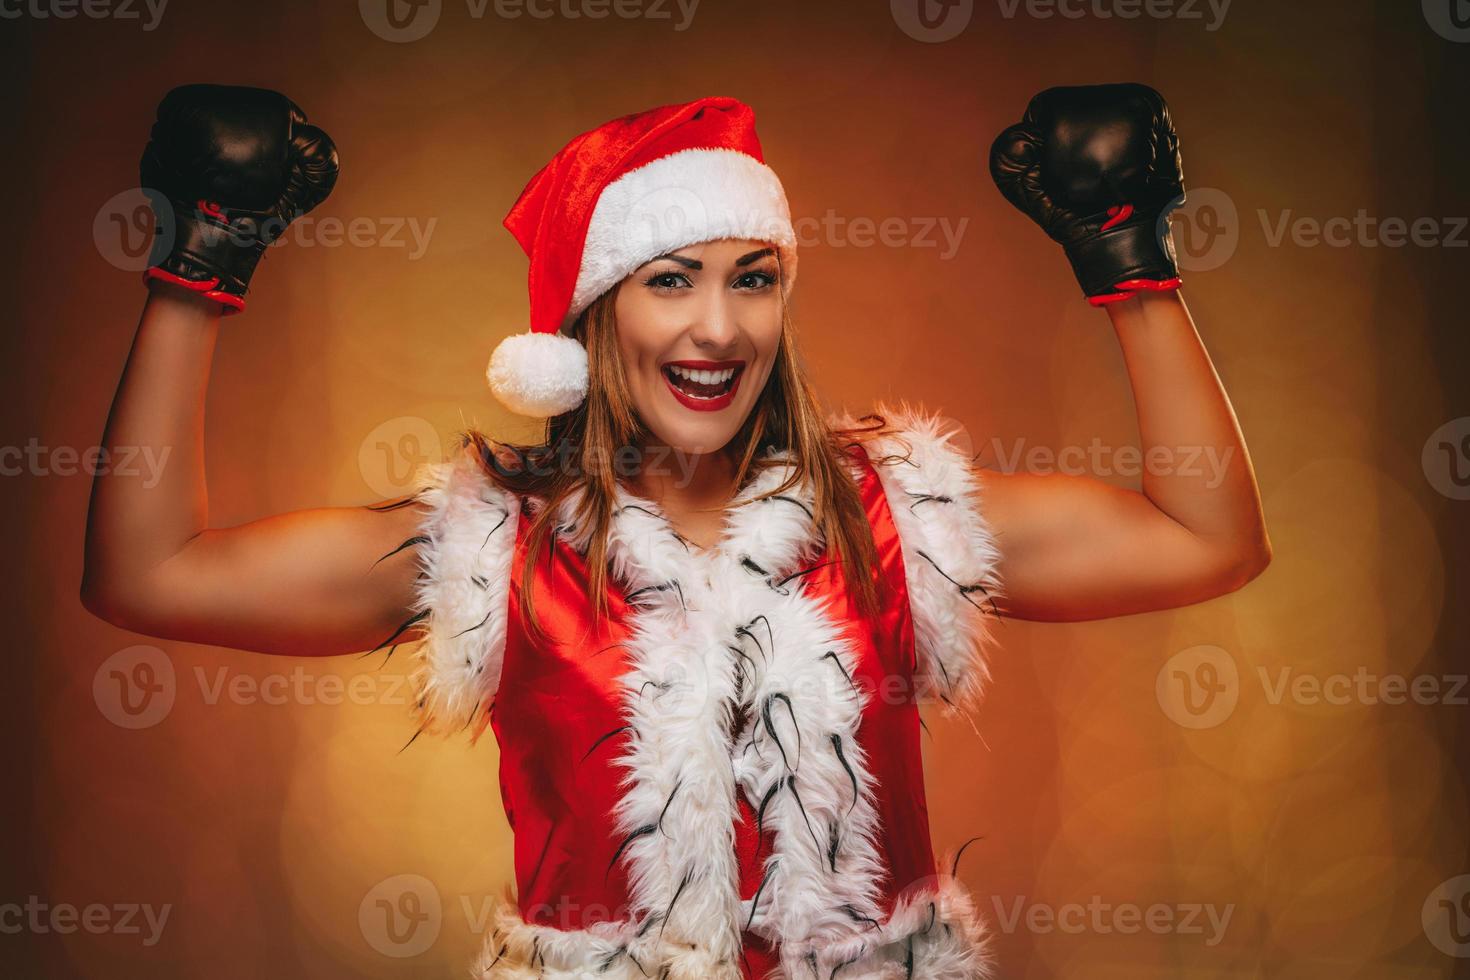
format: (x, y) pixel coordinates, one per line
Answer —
(614, 198)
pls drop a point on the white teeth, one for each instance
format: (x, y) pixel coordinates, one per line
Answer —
(703, 377)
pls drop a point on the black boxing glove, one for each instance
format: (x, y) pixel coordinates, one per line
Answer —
(236, 166)
(1098, 168)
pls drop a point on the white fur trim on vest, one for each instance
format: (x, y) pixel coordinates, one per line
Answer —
(682, 199)
(538, 374)
(463, 592)
(711, 629)
(949, 553)
(933, 933)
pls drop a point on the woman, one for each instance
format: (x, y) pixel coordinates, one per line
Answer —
(699, 616)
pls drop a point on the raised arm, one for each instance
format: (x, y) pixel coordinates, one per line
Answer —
(1074, 547)
(306, 583)
(233, 167)
(1098, 168)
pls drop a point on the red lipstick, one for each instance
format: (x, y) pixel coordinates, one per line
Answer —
(698, 394)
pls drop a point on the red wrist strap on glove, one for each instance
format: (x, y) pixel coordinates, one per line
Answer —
(1129, 288)
(229, 302)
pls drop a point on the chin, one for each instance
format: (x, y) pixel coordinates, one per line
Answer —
(697, 408)
(676, 429)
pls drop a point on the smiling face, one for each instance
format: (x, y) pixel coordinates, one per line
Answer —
(698, 330)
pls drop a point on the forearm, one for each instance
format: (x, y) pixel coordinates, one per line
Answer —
(1197, 469)
(135, 523)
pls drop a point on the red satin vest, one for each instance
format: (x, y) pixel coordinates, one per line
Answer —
(559, 708)
(723, 775)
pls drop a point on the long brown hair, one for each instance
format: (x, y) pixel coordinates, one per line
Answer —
(580, 447)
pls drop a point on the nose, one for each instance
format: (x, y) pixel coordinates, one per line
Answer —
(716, 328)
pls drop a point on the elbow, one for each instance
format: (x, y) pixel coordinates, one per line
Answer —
(99, 599)
(99, 590)
(104, 599)
(1245, 564)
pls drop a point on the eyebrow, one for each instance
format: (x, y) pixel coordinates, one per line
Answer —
(697, 265)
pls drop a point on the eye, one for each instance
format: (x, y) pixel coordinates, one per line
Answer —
(667, 281)
(756, 280)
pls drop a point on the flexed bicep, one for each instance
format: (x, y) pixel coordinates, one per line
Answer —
(1075, 548)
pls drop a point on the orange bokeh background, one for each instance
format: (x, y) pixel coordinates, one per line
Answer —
(272, 804)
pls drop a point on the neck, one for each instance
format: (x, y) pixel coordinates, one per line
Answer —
(686, 481)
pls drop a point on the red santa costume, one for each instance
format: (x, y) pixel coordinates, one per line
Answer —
(722, 776)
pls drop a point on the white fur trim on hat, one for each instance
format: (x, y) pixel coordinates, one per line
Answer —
(539, 374)
(691, 196)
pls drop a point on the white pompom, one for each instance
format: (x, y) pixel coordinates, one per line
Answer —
(539, 374)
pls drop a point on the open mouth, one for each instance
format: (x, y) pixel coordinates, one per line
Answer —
(704, 385)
